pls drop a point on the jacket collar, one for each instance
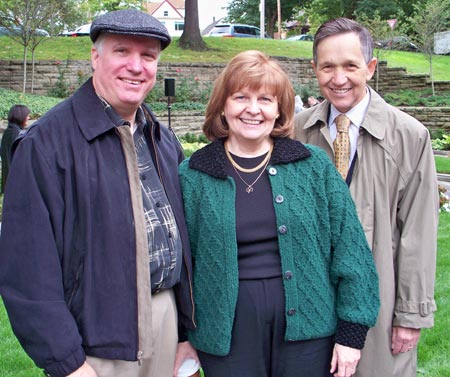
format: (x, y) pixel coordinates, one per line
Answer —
(375, 110)
(92, 118)
(212, 159)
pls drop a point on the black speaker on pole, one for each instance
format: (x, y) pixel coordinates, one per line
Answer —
(169, 87)
(169, 91)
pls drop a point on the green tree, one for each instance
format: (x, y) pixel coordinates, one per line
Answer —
(75, 13)
(97, 6)
(328, 9)
(430, 19)
(386, 9)
(379, 29)
(24, 18)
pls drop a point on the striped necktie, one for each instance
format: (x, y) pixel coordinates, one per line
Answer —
(342, 145)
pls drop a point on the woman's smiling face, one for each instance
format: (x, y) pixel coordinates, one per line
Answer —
(251, 115)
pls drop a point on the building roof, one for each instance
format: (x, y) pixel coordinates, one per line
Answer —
(152, 7)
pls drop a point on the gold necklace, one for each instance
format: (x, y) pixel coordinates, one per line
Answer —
(252, 170)
(249, 187)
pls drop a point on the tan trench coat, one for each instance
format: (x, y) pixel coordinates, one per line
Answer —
(394, 186)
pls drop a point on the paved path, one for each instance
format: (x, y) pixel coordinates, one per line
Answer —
(444, 179)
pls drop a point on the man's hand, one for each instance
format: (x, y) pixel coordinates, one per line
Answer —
(84, 371)
(184, 351)
(344, 361)
(404, 339)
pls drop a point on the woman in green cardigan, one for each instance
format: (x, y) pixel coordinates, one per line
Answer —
(284, 281)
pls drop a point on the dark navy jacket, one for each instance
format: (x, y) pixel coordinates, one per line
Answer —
(67, 248)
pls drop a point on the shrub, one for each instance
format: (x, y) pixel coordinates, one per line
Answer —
(444, 200)
(61, 88)
(37, 104)
(417, 98)
(187, 90)
(442, 143)
(306, 91)
(193, 138)
(191, 142)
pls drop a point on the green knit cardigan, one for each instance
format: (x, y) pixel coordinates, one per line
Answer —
(327, 267)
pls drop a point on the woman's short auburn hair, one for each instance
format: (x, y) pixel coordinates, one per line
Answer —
(252, 70)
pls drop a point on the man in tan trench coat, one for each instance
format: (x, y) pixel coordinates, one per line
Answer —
(392, 180)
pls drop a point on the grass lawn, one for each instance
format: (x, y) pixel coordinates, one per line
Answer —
(442, 164)
(434, 346)
(222, 50)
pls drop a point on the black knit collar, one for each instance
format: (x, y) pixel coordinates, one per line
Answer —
(212, 159)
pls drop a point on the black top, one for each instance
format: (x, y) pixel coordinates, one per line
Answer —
(9, 136)
(258, 255)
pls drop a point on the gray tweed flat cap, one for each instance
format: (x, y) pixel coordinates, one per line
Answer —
(130, 22)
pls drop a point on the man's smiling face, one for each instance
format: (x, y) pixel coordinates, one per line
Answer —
(125, 70)
(341, 70)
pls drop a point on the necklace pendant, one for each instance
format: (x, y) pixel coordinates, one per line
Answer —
(249, 189)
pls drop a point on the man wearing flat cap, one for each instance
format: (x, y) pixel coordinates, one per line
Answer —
(95, 266)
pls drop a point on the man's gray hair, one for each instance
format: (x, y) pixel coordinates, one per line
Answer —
(341, 26)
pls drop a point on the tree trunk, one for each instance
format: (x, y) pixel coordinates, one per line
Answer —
(32, 70)
(24, 87)
(191, 38)
(431, 73)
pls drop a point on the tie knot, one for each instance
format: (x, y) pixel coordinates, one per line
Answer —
(342, 123)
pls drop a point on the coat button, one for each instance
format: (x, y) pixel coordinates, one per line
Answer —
(288, 275)
(272, 171)
(291, 312)
(282, 229)
(279, 199)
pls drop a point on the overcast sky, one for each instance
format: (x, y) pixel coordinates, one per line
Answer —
(207, 9)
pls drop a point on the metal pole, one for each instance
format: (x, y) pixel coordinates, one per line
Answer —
(169, 91)
(261, 19)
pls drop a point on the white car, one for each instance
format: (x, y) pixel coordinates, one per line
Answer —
(301, 37)
(78, 32)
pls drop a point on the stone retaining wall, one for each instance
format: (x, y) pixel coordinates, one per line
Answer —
(299, 70)
(434, 118)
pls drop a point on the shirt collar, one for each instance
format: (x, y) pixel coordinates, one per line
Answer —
(140, 120)
(355, 114)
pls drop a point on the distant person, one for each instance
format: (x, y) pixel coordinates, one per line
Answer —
(18, 117)
(284, 281)
(298, 104)
(95, 265)
(312, 101)
(386, 158)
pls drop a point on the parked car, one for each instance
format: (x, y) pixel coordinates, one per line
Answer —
(301, 37)
(397, 43)
(17, 30)
(235, 30)
(80, 31)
